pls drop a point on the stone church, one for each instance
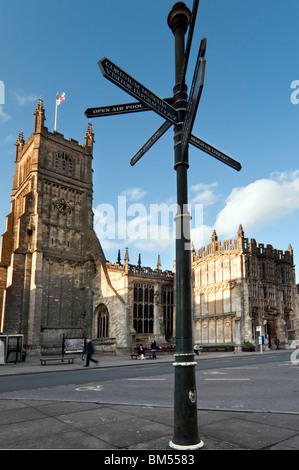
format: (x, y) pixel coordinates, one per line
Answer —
(243, 290)
(55, 281)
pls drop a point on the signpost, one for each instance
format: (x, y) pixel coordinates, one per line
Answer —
(180, 112)
(185, 435)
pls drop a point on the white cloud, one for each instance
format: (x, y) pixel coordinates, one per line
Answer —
(255, 206)
(201, 235)
(22, 98)
(204, 194)
(260, 203)
(145, 227)
(4, 117)
(134, 194)
(8, 139)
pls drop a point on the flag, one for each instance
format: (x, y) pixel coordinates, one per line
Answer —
(60, 99)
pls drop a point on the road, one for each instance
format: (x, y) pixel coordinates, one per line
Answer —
(246, 383)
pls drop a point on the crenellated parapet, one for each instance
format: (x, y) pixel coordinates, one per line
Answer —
(242, 244)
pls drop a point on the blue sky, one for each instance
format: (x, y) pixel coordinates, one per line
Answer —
(245, 110)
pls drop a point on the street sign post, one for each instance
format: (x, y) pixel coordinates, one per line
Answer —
(120, 78)
(185, 436)
(182, 115)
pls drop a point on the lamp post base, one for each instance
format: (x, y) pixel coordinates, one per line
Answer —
(188, 447)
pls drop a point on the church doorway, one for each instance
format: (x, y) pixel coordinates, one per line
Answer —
(270, 333)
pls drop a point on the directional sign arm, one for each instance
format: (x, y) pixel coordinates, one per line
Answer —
(120, 109)
(120, 78)
(194, 97)
(207, 148)
(150, 142)
(189, 39)
(116, 109)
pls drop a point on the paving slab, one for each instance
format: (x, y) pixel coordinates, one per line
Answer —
(248, 434)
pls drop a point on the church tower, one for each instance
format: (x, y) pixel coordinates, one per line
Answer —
(46, 268)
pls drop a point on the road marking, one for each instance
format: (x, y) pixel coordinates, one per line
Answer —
(215, 373)
(242, 368)
(227, 379)
(95, 388)
(141, 378)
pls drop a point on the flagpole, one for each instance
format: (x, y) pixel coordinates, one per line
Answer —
(55, 126)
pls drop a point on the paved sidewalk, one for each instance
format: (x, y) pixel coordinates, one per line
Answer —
(36, 424)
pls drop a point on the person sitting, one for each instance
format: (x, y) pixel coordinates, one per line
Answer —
(141, 352)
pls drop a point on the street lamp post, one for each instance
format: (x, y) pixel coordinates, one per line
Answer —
(185, 396)
(180, 112)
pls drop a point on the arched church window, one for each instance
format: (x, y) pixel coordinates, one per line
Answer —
(102, 322)
(143, 312)
(167, 302)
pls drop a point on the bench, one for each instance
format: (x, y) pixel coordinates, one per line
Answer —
(44, 360)
(134, 355)
(148, 354)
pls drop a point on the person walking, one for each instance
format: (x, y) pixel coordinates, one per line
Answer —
(89, 349)
(277, 342)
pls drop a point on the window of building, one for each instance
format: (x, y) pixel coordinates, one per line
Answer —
(167, 302)
(103, 322)
(63, 163)
(143, 320)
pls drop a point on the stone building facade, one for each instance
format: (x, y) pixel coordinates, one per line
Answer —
(46, 269)
(145, 305)
(55, 280)
(243, 290)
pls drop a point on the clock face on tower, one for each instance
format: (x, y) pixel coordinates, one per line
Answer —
(62, 206)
